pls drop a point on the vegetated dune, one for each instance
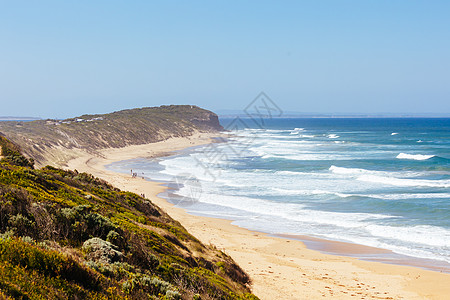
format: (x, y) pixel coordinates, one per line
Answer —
(65, 234)
(47, 141)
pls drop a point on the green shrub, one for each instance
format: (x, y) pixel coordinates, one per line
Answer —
(78, 224)
(117, 270)
(101, 251)
(21, 225)
(99, 225)
(173, 295)
(152, 286)
(11, 153)
(27, 239)
(116, 239)
(158, 285)
(48, 263)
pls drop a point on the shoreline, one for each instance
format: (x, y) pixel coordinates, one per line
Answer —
(368, 253)
(280, 266)
(338, 248)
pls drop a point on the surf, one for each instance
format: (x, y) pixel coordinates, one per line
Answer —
(414, 156)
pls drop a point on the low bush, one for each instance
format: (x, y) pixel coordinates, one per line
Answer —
(101, 251)
(48, 263)
(11, 154)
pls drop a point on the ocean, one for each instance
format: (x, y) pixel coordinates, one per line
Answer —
(382, 183)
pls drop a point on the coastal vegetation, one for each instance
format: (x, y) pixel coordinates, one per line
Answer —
(69, 235)
(10, 152)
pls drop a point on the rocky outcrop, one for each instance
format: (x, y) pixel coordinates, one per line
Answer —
(207, 122)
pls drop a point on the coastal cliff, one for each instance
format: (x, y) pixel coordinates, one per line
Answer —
(42, 140)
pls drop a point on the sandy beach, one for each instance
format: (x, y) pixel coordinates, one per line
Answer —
(280, 267)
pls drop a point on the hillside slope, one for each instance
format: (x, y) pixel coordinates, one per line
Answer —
(68, 235)
(40, 139)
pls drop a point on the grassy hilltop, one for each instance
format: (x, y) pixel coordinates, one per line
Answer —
(39, 139)
(68, 235)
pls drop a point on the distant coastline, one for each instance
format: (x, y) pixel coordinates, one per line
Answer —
(24, 119)
(289, 114)
(234, 114)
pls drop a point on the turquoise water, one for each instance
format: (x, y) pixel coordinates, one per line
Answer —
(378, 182)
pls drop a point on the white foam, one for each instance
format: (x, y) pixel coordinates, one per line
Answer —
(298, 173)
(421, 234)
(289, 211)
(405, 181)
(309, 156)
(277, 130)
(414, 156)
(297, 130)
(341, 170)
(253, 205)
(407, 196)
(333, 136)
(400, 196)
(422, 251)
(276, 191)
(394, 133)
(356, 171)
(287, 173)
(307, 136)
(280, 191)
(409, 250)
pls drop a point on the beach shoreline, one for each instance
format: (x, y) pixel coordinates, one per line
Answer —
(367, 253)
(280, 267)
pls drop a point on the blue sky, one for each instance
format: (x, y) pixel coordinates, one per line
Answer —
(66, 58)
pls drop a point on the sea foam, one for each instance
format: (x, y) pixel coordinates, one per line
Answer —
(414, 156)
(406, 182)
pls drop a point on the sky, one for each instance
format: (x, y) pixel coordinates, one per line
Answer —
(62, 59)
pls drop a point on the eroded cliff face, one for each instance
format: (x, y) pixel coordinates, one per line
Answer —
(208, 122)
(118, 129)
